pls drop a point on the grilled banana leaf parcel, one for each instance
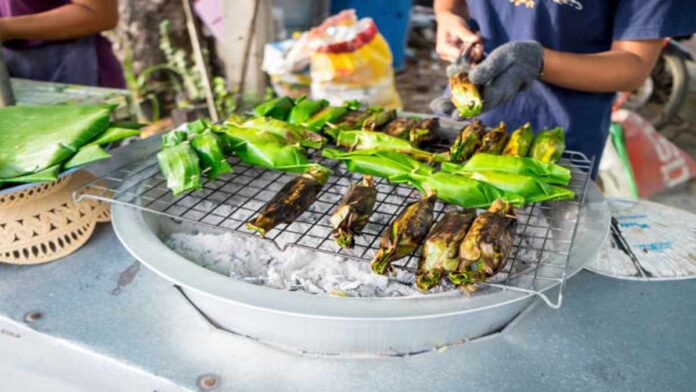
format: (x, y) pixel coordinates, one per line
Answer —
(486, 247)
(532, 189)
(353, 212)
(440, 253)
(209, 150)
(405, 233)
(424, 131)
(378, 119)
(278, 108)
(546, 172)
(290, 202)
(368, 140)
(304, 109)
(465, 95)
(548, 145)
(326, 116)
(468, 141)
(493, 141)
(291, 133)
(520, 141)
(400, 127)
(379, 163)
(353, 120)
(180, 167)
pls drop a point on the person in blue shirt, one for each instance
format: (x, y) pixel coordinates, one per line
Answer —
(558, 62)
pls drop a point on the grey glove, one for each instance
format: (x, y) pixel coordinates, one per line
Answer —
(507, 70)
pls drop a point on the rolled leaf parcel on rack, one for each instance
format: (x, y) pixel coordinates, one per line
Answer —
(210, 152)
(532, 189)
(548, 145)
(379, 163)
(353, 212)
(291, 133)
(520, 141)
(468, 141)
(494, 140)
(547, 172)
(368, 140)
(304, 109)
(180, 167)
(278, 108)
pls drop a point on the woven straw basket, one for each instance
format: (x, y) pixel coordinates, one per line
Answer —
(42, 223)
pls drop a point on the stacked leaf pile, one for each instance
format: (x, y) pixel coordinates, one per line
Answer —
(37, 143)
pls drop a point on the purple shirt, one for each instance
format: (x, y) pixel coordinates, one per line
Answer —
(109, 68)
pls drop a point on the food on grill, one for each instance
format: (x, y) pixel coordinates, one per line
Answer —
(289, 202)
(180, 167)
(113, 135)
(173, 138)
(520, 141)
(405, 233)
(353, 212)
(378, 119)
(380, 163)
(291, 133)
(548, 172)
(400, 127)
(468, 141)
(209, 150)
(278, 108)
(304, 109)
(235, 120)
(328, 115)
(493, 141)
(532, 189)
(353, 120)
(465, 95)
(440, 253)
(486, 247)
(424, 131)
(367, 140)
(548, 145)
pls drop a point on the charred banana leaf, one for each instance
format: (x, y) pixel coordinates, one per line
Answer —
(278, 108)
(548, 145)
(465, 95)
(405, 233)
(493, 141)
(486, 247)
(304, 109)
(353, 212)
(353, 120)
(520, 142)
(290, 202)
(440, 252)
(468, 141)
(378, 119)
(424, 131)
(400, 127)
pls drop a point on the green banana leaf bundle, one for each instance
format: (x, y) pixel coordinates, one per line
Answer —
(493, 141)
(379, 163)
(547, 172)
(278, 108)
(520, 141)
(468, 141)
(548, 145)
(181, 168)
(304, 109)
(354, 211)
(465, 95)
(326, 116)
(532, 189)
(368, 140)
(405, 234)
(291, 133)
(353, 120)
(378, 119)
(209, 149)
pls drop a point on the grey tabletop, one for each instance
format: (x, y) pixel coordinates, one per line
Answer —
(114, 324)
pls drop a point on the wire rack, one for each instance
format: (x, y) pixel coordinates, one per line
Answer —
(539, 259)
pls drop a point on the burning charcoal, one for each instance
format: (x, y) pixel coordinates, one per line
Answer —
(353, 212)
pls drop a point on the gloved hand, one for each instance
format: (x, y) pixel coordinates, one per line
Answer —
(507, 70)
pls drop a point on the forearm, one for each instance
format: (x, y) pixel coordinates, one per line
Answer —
(458, 7)
(74, 20)
(623, 68)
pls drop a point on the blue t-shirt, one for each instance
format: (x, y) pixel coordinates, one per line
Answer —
(579, 26)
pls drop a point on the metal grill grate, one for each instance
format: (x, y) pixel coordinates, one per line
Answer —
(539, 258)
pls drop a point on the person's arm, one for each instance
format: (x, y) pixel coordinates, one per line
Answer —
(623, 68)
(77, 19)
(453, 33)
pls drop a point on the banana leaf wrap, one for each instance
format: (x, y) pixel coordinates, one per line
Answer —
(532, 189)
(548, 145)
(45, 175)
(196, 127)
(468, 141)
(465, 95)
(180, 167)
(379, 163)
(353, 212)
(113, 134)
(353, 120)
(174, 138)
(291, 133)
(236, 120)
(547, 172)
(405, 234)
(457, 190)
(493, 141)
(368, 140)
(210, 153)
(520, 141)
(278, 108)
(304, 109)
(85, 155)
(326, 116)
(400, 127)
(424, 131)
(486, 247)
(440, 253)
(378, 119)
(290, 202)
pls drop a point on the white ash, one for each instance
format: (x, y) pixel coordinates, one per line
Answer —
(259, 262)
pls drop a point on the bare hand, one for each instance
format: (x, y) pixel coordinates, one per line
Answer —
(454, 35)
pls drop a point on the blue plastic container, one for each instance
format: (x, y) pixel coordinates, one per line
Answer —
(393, 18)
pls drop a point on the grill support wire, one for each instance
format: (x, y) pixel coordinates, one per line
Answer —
(545, 231)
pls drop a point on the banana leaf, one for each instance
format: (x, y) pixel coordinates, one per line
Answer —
(85, 155)
(548, 145)
(465, 95)
(424, 131)
(180, 166)
(547, 172)
(236, 120)
(34, 138)
(379, 119)
(493, 141)
(520, 141)
(328, 115)
(468, 141)
(195, 127)
(379, 163)
(278, 108)
(368, 140)
(532, 189)
(113, 135)
(304, 109)
(458, 190)
(173, 138)
(209, 150)
(291, 133)
(46, 175)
